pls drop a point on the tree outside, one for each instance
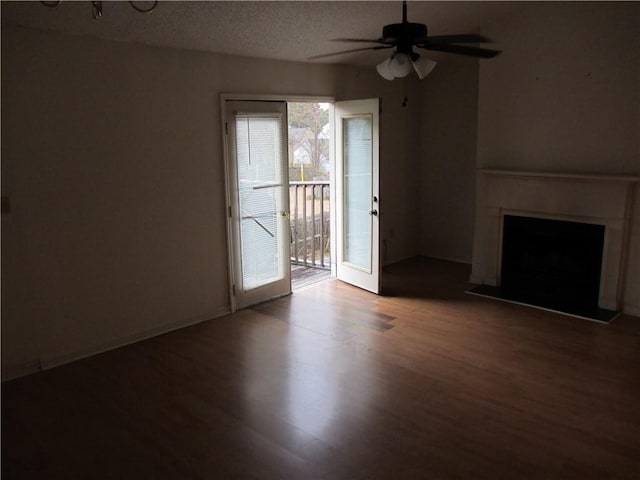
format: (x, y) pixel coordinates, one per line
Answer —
(308, 141)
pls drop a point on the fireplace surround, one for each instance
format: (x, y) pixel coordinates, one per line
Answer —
(603, 201)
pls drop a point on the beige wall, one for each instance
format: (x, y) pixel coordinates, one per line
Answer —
(112, 159)
(564, 97)
(399, 139)
(448, 159)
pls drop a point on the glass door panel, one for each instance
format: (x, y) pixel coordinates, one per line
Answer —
(357, 191)
(260, 188)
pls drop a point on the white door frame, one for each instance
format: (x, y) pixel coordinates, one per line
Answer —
(224, 97)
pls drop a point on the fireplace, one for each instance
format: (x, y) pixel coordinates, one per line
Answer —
(552, 263)
(559, 241)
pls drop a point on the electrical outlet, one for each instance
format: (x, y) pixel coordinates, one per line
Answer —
(6, 204)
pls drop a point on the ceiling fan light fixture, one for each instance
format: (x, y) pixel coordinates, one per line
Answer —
(423, 66)
(400, 65)
(384, 70)
(406, 36)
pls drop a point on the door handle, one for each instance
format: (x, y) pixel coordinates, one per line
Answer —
(374, 213)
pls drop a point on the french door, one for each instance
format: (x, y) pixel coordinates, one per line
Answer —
(258, 191)
(357, 193)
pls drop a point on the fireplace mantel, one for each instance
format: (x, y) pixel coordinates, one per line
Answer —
(562, 175)
(589, 198)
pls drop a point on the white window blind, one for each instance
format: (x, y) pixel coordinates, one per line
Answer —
(357, 150)
(260, 176)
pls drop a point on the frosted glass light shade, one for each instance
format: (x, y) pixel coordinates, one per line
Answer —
(383, 69)
(423, 66)
(400, 65)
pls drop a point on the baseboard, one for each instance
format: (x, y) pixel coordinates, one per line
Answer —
(448, 259)
(57, 360)
(398, 260)
(632, 310)
(10, 372)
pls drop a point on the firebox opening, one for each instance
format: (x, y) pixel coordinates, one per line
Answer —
(556, 263)
(551, 264)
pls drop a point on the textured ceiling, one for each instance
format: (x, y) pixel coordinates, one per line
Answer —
(292, 30)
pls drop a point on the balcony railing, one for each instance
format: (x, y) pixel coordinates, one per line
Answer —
(309, 206)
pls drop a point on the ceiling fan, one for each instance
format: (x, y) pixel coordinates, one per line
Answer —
(406, 36)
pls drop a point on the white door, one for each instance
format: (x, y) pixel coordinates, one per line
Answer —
(357, 193)
(258, 183)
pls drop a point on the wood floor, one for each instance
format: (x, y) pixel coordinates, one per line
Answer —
(336, 383)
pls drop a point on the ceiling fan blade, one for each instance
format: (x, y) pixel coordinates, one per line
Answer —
(462, 38)
(462, 50)
(315, 57)
(360, 40)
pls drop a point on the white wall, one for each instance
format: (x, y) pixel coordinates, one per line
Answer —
(112, 160)
(564, 97)
(448, 159)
